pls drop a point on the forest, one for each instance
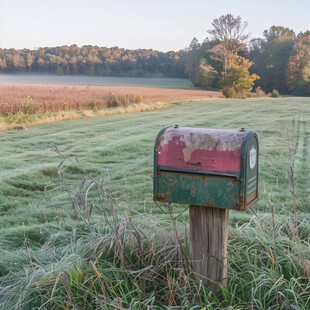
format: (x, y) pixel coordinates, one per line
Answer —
(94, 60)
(229, 60)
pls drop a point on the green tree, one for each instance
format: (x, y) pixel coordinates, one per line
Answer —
(203, 71)
(238, 81)
(280, 42)
(298, 68)
(59, 71)
(271, 55)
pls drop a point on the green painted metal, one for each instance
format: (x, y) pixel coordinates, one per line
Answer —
(155, 181)
(243, 168)
(216, 191)
(252, 170)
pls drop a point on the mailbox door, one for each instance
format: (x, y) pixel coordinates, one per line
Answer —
(197, 189)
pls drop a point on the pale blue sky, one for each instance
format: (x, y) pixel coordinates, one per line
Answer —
(162, 24)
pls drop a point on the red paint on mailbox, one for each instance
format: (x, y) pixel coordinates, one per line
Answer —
(201, 149)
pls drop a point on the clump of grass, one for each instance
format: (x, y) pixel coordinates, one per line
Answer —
(275, 93)
(116, 258)
(122, 100)
(259, 92)
(29, 107)
(22, 118)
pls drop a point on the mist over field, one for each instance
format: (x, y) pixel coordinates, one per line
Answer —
(52, 79)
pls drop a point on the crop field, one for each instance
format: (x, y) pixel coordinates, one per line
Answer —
(49, 258)
(48, 98)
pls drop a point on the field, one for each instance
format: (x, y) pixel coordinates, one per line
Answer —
(269, 260)
(32, 98)
(22, 105)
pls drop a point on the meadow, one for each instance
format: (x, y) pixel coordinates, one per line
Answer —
(51, 259)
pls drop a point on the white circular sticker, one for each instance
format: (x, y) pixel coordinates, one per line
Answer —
(252, 157)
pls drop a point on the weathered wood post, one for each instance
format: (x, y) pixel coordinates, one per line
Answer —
(208, 245)
(212, 171)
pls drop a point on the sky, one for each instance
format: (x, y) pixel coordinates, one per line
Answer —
(161, 24)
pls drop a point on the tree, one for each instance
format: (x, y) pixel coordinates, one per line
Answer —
(210, 62)
(298, 68)
(59, 71)
(229, 33)
(279, 33)
(203, 70)
(208, 76)
(195, 45)
(238, 81)
(256, 54)
(193, 61)
(271, 56)
(29, 61)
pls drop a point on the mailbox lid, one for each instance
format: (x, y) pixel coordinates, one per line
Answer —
(200, 150)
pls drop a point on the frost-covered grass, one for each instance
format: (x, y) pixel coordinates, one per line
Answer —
(122, 146)
(49, 259)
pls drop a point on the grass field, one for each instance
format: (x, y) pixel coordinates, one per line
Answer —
(124, 145)
(119, 149)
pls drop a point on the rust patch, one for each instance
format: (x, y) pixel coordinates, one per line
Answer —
(208, 205)
(235, 181)
(236, 206)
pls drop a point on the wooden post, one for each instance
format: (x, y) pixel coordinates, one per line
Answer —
(208, 245)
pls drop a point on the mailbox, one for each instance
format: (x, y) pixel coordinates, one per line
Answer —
(206, 167)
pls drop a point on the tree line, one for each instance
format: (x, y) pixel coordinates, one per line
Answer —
(94, 60)
(229, 60)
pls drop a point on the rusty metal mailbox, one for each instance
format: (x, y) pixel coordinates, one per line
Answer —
(206, 167)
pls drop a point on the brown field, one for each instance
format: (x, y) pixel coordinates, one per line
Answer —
(30, 99)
